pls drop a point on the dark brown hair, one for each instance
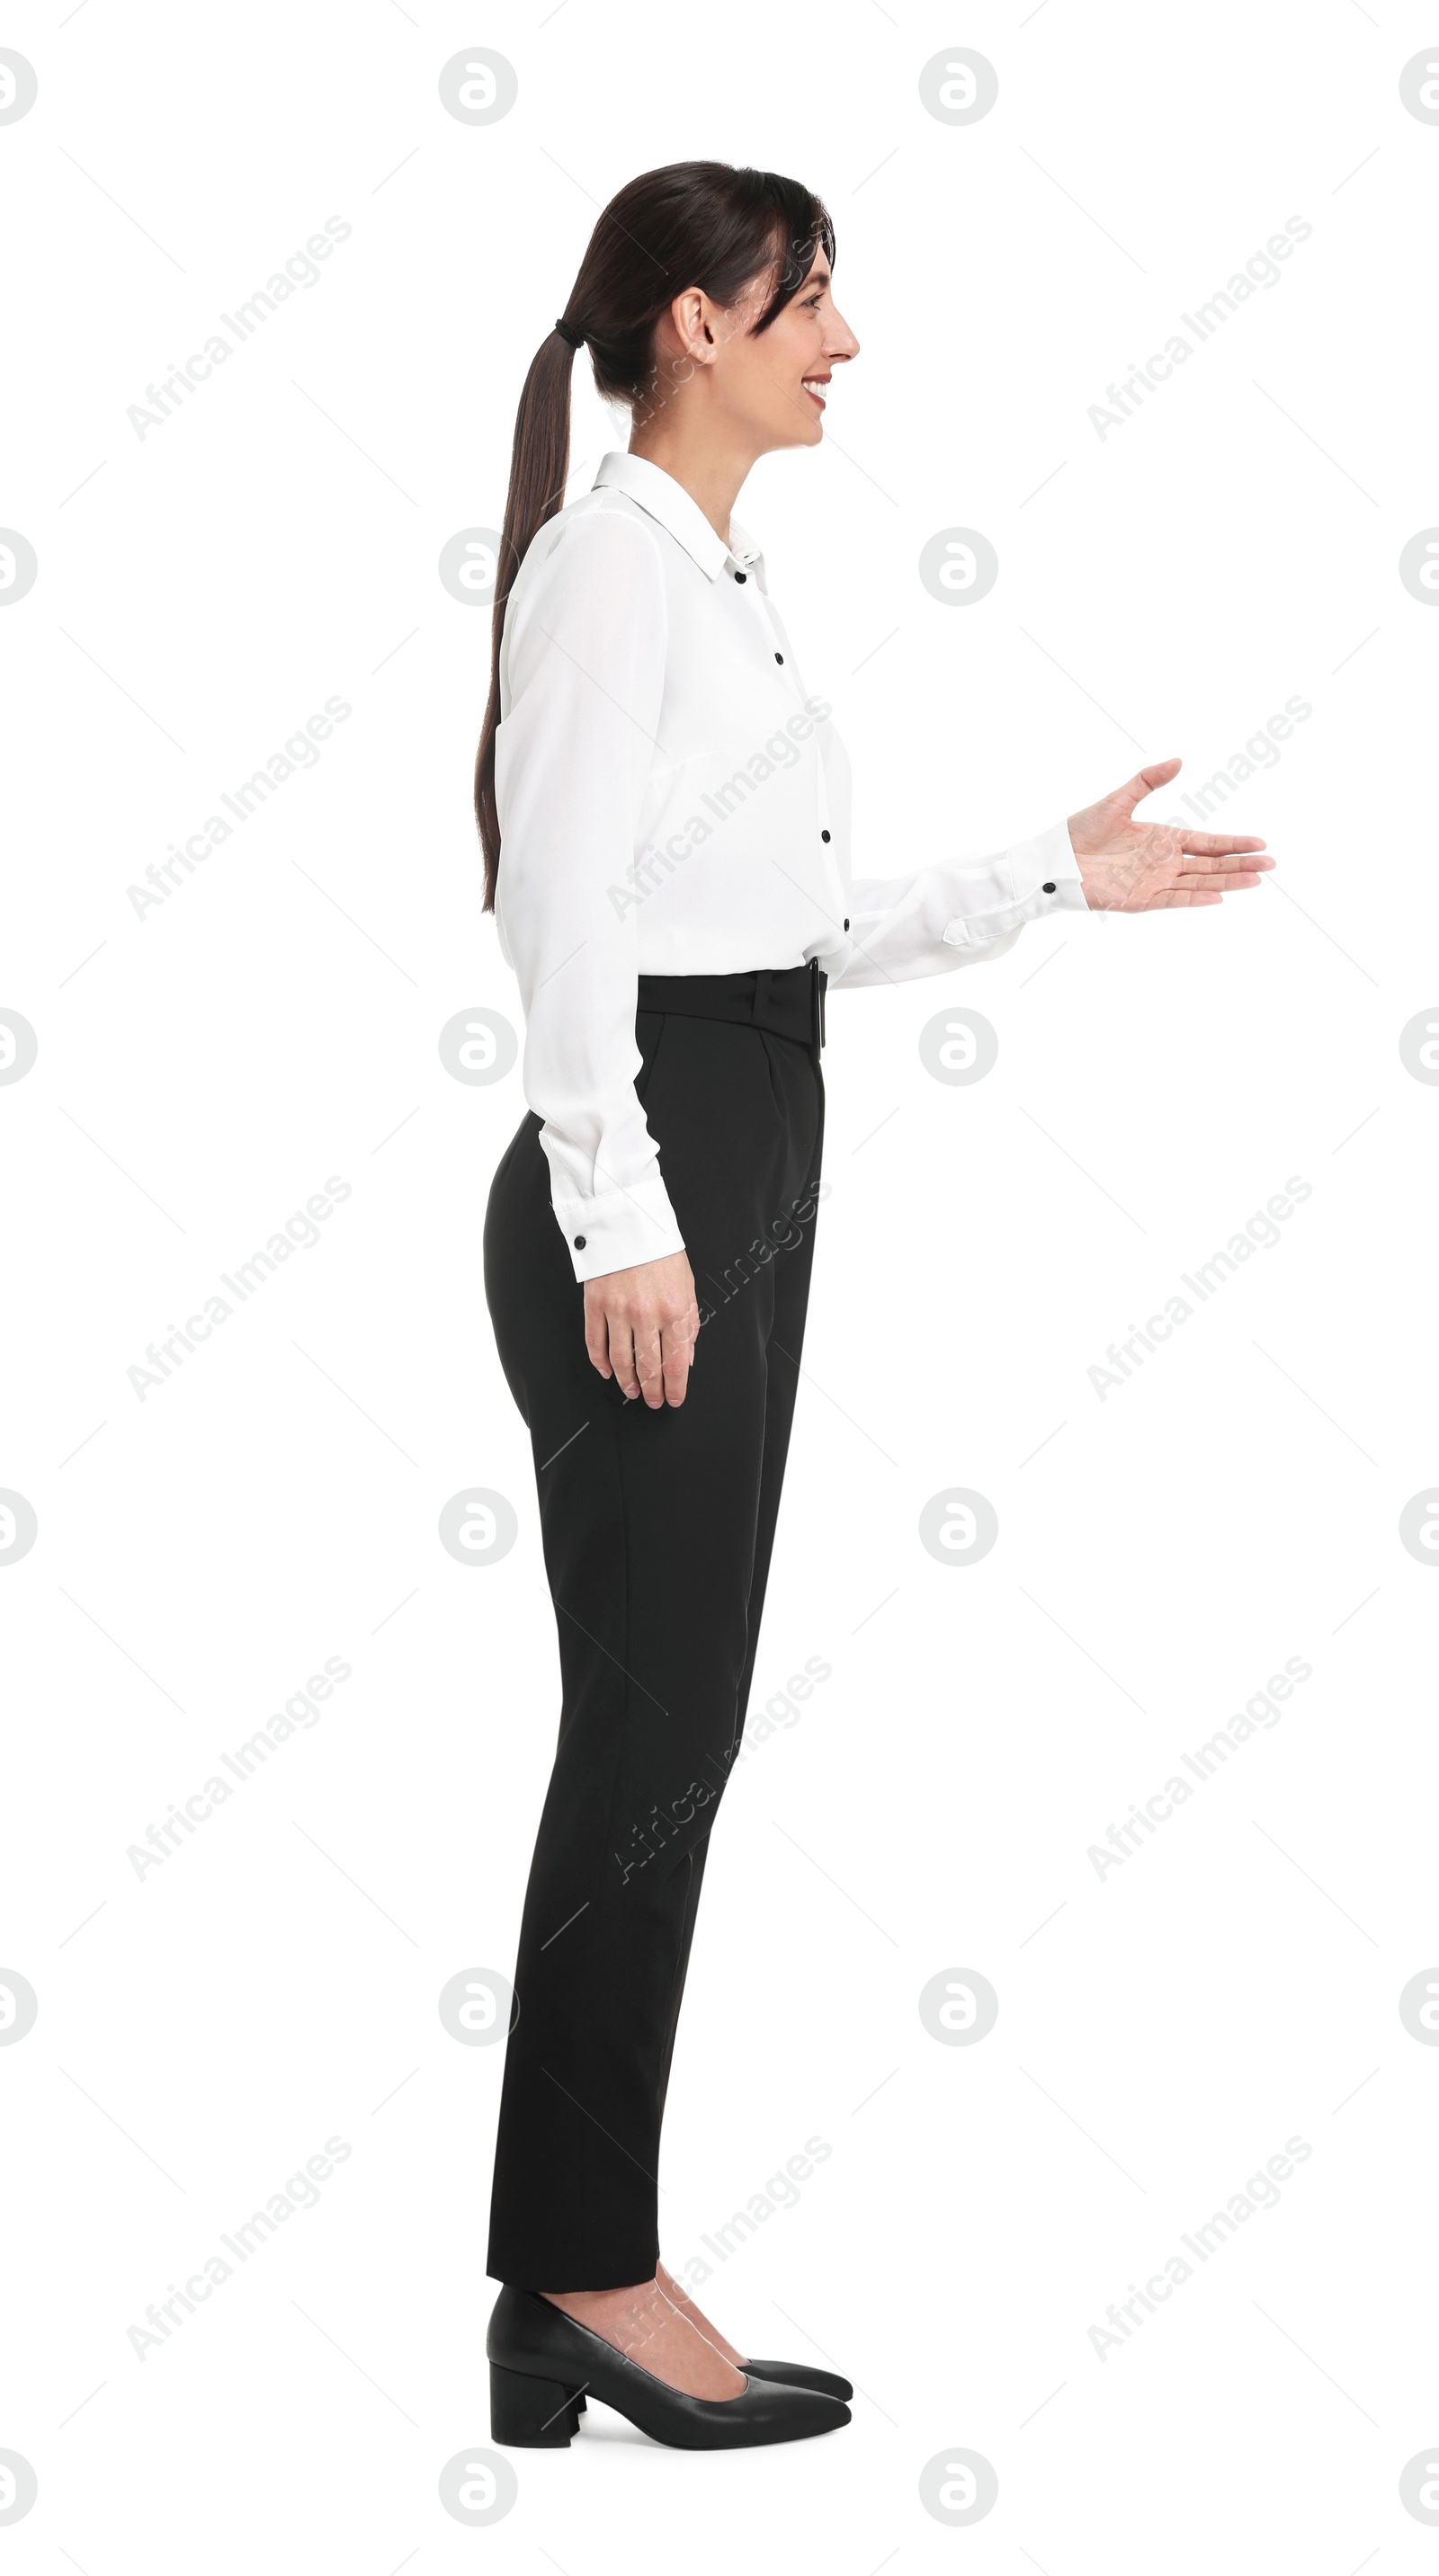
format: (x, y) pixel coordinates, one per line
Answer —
(694, 223)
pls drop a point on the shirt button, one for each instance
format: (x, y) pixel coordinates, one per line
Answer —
(779, 657)
(1049, 889)
(824, 836)
(739, 576)
(579, 1243)
(846, 921)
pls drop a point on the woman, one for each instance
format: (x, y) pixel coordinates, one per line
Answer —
(664, 813)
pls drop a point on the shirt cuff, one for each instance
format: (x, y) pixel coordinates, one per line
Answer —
(619, 1228)
(1044, 877)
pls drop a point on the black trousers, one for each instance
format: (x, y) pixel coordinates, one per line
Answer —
(657, 1529)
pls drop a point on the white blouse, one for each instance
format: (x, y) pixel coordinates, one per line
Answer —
(672, 801)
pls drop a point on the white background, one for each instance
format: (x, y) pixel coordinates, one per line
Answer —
(202, 1070)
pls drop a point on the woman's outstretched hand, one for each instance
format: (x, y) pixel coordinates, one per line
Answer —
(1156, 867)
(640, 1328)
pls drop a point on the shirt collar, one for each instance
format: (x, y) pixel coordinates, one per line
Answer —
(664, 499)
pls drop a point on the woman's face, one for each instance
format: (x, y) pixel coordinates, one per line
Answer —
(768, 387)
(794, 359)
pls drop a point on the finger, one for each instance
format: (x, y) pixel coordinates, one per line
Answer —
(1179, 899)
(1219, 844)
(649, 1364)
(1124, 799)
(678, 1356)
(622, 1356)
(597, 1339)
(1159, 775)
(1232, 884)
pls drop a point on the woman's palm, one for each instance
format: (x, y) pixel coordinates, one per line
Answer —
(1156, 867)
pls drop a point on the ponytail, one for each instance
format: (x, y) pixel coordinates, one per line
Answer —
(539, 470)
(696, 223)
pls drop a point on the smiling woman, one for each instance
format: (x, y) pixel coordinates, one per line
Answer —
(646, 700)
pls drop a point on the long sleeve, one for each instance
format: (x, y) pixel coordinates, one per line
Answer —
(952, 915)
(585, 649)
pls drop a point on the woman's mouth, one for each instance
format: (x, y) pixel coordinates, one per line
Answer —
(811, 385)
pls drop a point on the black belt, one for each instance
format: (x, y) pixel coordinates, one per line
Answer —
(786, 1000)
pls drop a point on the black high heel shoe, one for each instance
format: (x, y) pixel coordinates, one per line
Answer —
(542, 2364)
(788, 2374)
(797, 2374)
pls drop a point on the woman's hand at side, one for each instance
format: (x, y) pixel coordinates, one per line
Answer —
(640, 1327)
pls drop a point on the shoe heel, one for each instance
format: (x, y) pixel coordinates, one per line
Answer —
(531, 2414)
